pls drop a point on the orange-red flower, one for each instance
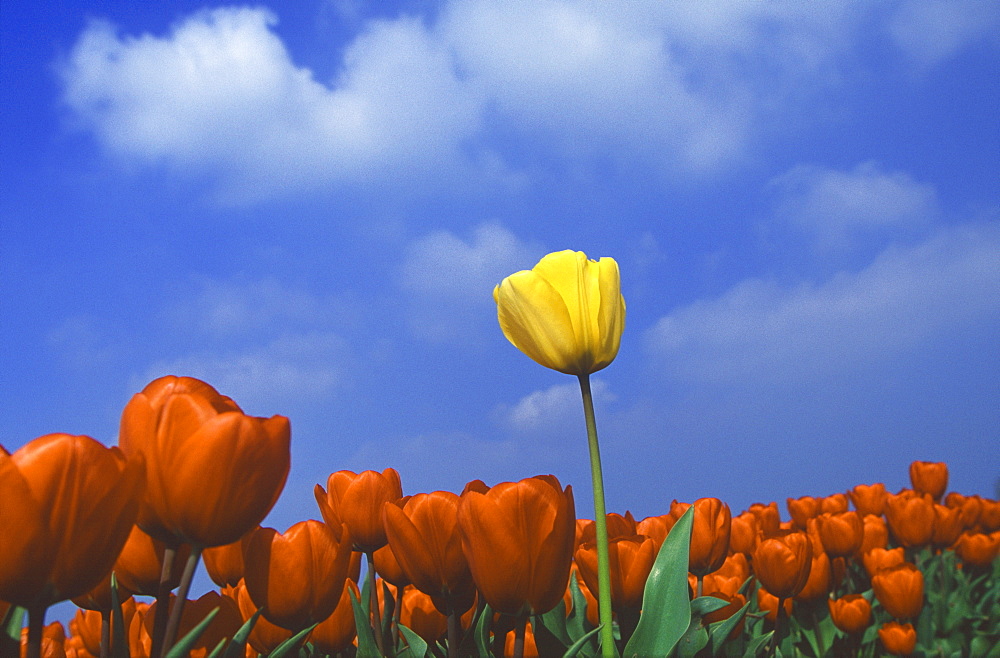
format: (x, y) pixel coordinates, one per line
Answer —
(947, 526)
(356, 500)
(929, 478)
(140, 564)
(710, 531)
(53, 641)
(298, 576)
(424, 537)
(224, 626)
(868, 498)
(977, 548)
(630, 560)
(213, 473)
(851, 613)
(833, 504)
(768, 603)
(656, 528)
(745, 533)
(820, 573)
(971, 507)
(802, 509)
(387, 566)
(526, 528)
(782, 563)
(911, 518)
(898, 639)
(420, 615)
(224, 564)
(86, 624)
(265, 636)
(841, 532)
(615, 524)
(881, 558)
(876, 534)
(900, 590)
(68, 505)
(337, 631)
(768, 517)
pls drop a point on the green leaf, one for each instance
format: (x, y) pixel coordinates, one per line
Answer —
(366, 638)
(666, 609)
(579, 645)
(183, 647)
(292, 644)
(482, 634)
(720, 630)
(693, 641)
(577, 625)
(703, 605)
(237, 648)
(13, 622)
(217, 651)
(757, 643)
(416, 646)
(555, 622)
(119, 641)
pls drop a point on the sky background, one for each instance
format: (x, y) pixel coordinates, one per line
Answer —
(308, 204)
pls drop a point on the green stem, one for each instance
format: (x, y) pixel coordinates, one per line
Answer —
(182, 592)
(373, 603)
(105, 634)
(608, 649)
(519, 628)
(163, 600)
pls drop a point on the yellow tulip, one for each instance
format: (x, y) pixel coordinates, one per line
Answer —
(567, 313)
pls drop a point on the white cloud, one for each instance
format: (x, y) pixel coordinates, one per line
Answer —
(229, 307)
(931, 31)
(761, 333)
(553, 407)
(293, 368)
(220, 93)
(837, 205)
(449, 280)
(683, 86)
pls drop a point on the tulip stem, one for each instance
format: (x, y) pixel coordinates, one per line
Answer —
(608, 649)
(105, 634)
(182, 593)
(163, 600)
(519, 628)
(36, 624)
(373, 603)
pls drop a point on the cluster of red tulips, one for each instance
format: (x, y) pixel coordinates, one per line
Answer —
(502, 570)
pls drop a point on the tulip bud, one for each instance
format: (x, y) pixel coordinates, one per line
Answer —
(782, 563)
(898, 639)
(868, 499)
(900, 590)
(567, 313)
(929, 478)
(710, 531)
(851, 613)
(356, 500)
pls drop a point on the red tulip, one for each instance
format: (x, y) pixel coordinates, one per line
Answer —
(898, 639)
(929, 478)
(425, 539)
(298, 576)
(782, 563)
(356, 500)
(68, 506)
(851, 613)
(213, 473)
(525, 528)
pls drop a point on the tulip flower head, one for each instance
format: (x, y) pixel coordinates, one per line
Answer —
(851, 613)
(567, 313)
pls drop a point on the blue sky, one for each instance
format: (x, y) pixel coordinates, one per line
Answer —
(308, 205)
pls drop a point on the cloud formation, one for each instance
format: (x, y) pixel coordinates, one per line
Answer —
(553, 407)
(449, 281)
(762, 332)
(837, 206)
(220, 94)
(685, 87)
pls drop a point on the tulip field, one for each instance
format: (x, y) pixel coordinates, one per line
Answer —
(513, 569)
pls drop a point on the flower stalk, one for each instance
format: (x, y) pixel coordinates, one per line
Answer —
(600, 522)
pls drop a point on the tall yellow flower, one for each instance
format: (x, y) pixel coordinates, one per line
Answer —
(567, 313)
